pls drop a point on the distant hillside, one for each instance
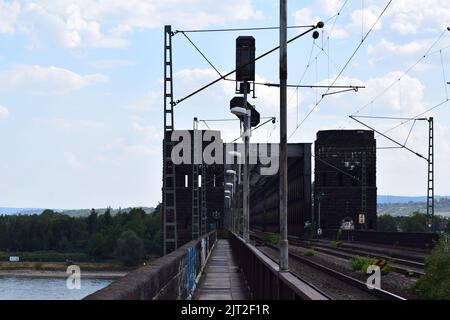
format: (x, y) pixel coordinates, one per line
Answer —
(72, 213)
(442, 207)
(86, 212)
(382, 199)
(20, 211)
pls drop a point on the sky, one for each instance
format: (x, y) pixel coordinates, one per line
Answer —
(81, 113)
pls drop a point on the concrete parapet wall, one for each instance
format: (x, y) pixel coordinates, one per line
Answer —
(172, 277)
(263, 276)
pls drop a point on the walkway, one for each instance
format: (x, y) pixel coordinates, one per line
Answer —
(221, 279)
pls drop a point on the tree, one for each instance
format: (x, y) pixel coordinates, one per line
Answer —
(414, 223)
(130, 248)
(92, 221)
(387, 223)
(435, 284)
(107, 218)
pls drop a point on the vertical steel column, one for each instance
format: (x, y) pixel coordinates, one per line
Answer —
(284, 245)
(246, 196)
(170, 231)
(430, 184)
(195, 188)
(364, 187)
(204, 210)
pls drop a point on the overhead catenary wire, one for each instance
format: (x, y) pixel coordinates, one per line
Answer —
(404, 74)
(240, 29)
(232, 72)
(256, 128)
(419, 115)
(308, 65)
(345, 66)
(390, 139)
(443, 74)
(202, 54)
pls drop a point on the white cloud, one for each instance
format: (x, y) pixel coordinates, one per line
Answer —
(74, 125)
(9, 13)
(147, 131)
(411, 16)
(387, 47)
(46, 80)
(305, 17)
(111, 63)
(104, 23)
(366, 18)
(151, 101)
(4, 112)
(73, 162)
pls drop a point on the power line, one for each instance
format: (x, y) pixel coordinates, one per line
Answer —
(383, 118)
(405, 73)
(261, 125)
(319, 25)
(419, 115)
(390, 139)
(345, 66)
(308, 65)
(229, 120)
(240, 29)
(199, 51)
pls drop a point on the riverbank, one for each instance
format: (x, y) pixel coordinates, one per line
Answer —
(29, 273)
(58, 269)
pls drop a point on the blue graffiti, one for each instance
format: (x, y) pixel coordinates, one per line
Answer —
(191, 274)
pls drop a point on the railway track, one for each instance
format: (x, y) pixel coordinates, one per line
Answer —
(403, 266)
(331, 283)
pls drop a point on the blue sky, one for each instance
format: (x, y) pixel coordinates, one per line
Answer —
(81, 88)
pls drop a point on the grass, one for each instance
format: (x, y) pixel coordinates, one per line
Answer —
(309, 253)
(335, 244)
(272, 238)
(363, 263)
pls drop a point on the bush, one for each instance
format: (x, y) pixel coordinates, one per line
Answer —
(130, 248)
(273, 239)
(360, 264)
(435, 284)
(310, 253)
(335, 244)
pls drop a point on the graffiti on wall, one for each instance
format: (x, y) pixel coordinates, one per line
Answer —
(191, 272)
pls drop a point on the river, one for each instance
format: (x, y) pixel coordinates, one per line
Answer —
(27, 288)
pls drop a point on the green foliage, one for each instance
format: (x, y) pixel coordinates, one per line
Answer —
(363, 263)
(338, 235)
(130, 248)
(335, 244)
(387, 223)
(309, 253)
(54, 237)
(272, 238)
(360, 264)
(435, 284)
(414, 223)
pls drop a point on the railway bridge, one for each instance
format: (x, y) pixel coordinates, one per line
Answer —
(221, 265)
